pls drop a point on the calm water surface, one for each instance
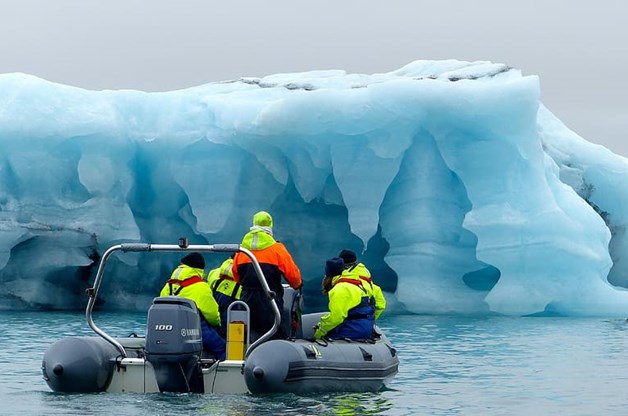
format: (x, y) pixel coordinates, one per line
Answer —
(449, 366)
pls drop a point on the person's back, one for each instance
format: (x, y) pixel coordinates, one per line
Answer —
(352, 265)
(276, 263)
(351, 310)
(225, 289)
(187, 281)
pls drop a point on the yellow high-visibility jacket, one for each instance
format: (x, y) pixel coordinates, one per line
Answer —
(200, 292)
(376, 291)
(347, 293)
(221, 280)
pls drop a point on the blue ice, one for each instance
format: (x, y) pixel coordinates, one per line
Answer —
(458, 188)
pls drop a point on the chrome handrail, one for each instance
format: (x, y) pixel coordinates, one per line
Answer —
(145, 247)
(271, 297)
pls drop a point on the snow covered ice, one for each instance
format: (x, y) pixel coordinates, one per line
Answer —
(459, 189)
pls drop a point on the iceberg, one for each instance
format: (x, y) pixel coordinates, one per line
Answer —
(459, 190)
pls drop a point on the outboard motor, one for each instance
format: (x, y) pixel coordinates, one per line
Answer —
(174, 344)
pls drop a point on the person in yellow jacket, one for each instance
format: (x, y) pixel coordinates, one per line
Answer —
(351, 312)
(225, 289)
(352, 265)
(187, 281)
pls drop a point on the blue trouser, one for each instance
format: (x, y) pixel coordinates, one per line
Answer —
(223, 302)
(353, 329)
(212, 341)
(358, 324)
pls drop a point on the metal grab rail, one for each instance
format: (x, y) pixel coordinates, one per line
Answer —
(181, 247)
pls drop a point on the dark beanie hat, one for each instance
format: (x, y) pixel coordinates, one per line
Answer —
(195, 260)
(348, 256)
(334, 266)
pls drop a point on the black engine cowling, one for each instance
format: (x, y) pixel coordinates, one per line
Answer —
(174, 344)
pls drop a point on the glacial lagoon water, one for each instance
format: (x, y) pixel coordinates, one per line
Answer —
(448, 366)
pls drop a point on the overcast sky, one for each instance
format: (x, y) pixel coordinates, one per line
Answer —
(577, 47)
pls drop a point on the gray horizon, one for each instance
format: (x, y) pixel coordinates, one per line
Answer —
(577, 48)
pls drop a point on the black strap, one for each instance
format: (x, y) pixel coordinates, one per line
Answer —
(233, 292)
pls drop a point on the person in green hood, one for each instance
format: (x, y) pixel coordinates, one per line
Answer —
(276, 263)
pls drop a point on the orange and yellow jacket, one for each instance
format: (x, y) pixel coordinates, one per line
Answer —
(274, 259)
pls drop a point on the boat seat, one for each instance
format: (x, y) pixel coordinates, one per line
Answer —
(132, 342)
(308, 321)
(133, 346)
(292, 311)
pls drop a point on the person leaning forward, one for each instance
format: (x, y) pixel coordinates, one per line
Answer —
(354, 267)
(275, 261)
(187, 281)
(225, 289)
(351, 310)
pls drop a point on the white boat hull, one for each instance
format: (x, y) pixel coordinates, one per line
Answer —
(136, 375)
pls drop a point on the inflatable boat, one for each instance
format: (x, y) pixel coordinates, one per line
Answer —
(169, 358)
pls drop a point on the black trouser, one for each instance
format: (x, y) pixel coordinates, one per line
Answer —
(262, 315)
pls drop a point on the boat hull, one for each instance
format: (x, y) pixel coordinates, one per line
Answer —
(91, 364)
(79, 364)
(306, 366)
